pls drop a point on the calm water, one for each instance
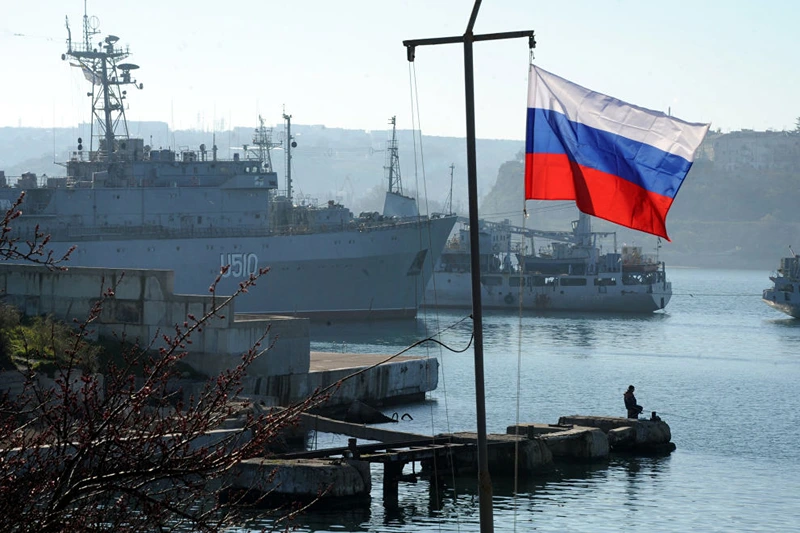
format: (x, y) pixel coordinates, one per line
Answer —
(719, 366)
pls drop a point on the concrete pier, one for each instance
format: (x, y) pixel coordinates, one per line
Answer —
(403, 379)
(301, 475)
(579, 443)
(592, 438)
(530, 448)
(628, 434)
(532, 455)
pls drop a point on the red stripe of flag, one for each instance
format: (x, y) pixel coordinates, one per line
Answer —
(555, 177)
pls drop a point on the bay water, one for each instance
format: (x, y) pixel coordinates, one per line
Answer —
(718, 365)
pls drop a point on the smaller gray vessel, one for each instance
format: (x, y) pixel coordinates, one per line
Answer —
(125, 204)
(784, 295)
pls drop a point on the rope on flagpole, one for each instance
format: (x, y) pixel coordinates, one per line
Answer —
(415, 125)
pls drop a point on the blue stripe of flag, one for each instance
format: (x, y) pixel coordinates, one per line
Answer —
(642, 164)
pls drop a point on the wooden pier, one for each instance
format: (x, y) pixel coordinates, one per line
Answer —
(394, 457)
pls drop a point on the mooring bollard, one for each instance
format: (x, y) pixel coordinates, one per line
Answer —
(351, 444)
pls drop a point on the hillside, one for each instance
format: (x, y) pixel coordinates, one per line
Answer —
(739, 206)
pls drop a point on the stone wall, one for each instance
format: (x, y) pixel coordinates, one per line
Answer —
(144, 307)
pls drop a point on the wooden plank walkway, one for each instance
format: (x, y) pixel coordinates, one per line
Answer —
(405, 452)
(360, 431)
(394, 456)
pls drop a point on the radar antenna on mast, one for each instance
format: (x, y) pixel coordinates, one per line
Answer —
(290, 143)
(262, 140)
(102, 67)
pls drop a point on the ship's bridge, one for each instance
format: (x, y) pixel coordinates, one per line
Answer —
(133, 164)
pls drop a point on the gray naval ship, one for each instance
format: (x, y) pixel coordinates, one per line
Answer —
(571, 273)
(127, 205)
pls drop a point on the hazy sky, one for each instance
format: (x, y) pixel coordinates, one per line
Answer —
(342, 63)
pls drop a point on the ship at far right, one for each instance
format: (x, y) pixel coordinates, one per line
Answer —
(784, 295)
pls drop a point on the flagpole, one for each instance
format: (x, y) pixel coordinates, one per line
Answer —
(484, 479)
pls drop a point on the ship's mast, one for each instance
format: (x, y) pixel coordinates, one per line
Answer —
(392, 166)
(290, 143)
(262, 140)
(448, 204)
(87, 32)
(101, 66)
(583, 230)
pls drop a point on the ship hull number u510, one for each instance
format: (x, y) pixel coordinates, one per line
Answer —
(241, 265)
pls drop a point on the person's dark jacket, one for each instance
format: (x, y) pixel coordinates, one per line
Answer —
(630, 404)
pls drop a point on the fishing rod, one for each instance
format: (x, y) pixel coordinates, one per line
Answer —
(672, 414)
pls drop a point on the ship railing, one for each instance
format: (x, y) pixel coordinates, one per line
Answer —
(159, 232)
(639, 259)
(643, 278)
(360, 225)
(125, 233)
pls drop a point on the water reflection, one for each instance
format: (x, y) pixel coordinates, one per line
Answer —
(385, 332)
(356, 517)
(569, 333)
(638, 474)
(565, 477)
(789, 323)
(449, 502)
(501, 330)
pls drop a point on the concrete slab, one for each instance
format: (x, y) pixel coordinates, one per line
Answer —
(400, 380)
(532, 456)
(628, 434)
(303, 479)
(567, 442)
(327, 361)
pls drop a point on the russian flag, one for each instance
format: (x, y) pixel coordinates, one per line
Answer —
(617, 161)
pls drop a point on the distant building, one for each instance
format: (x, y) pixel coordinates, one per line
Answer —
(756, 150)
